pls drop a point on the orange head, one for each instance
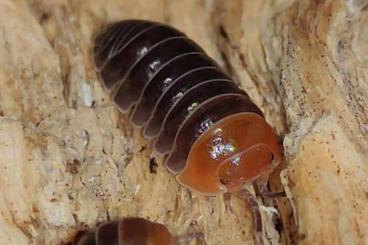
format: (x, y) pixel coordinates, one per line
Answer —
(237, 149)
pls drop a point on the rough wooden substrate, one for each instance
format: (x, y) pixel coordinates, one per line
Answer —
(65, 161)
(314, 54)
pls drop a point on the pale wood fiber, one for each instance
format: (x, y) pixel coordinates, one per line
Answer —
(68, 160)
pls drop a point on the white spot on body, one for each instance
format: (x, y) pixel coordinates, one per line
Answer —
(236, 161)
(192, 107)
(155, 64)
(167, 81)
(221, 146)
(142, 51)
(205, 125)
(177, 97)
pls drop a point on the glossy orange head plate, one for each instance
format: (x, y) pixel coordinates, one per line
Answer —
(235, 150)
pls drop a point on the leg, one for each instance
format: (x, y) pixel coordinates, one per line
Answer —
(257, 218)
(227, 199)
(274, 194)
(265, 193)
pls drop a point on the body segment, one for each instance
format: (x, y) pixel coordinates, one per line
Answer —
(213, 137)
(127, 231)
(178, 96)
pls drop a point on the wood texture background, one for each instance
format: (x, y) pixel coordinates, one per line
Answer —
(68, 160)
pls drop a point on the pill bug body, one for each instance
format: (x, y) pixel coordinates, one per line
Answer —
(213, 137)
(127, 231)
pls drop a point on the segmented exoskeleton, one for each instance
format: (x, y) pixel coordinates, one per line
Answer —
(213, 137)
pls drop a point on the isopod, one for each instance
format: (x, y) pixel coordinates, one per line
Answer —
(214, 139)
(132, 231)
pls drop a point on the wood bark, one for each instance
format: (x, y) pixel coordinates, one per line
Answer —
(68, 159)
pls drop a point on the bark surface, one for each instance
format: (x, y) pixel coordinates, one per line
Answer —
(68, 159)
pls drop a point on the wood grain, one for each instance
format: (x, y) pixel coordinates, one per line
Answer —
(68, 159)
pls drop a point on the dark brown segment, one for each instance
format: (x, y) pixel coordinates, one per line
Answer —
(126, 37)
(113, 39)
(149, 63)
(137, 45)
(130, 89)
(177, 91)
(200, 120)
(127, 231)
(164, 79)
(87, 239)
(190, 101)
(107, 234)
(104, 40)
(134, 231)
(113, 67)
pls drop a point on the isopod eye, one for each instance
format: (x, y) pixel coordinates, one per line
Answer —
(235, 150)
(271, 156)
